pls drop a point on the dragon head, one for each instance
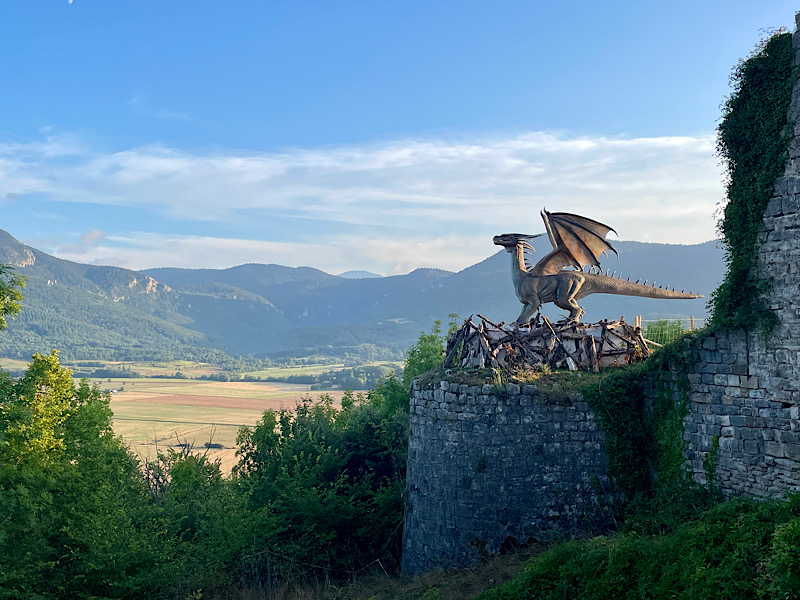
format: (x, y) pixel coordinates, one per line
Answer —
(509, 241)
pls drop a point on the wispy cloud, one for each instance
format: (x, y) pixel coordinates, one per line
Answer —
(88, 241)
(142, 250)
(405, 204)
(140, 105)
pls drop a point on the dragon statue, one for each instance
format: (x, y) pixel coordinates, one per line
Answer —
(559, 277)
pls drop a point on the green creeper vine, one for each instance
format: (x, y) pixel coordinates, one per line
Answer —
(753, 140)
(644, 442)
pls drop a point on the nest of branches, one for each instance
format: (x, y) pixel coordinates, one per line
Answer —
(564, 344)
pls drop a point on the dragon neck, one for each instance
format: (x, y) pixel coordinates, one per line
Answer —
(518, 268)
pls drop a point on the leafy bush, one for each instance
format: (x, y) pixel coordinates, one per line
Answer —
(325, 485)
(425, 355)
(739, 550)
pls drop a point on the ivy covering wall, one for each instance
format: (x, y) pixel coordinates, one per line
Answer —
(753, 140)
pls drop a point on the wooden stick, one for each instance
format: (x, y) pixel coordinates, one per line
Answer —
(558, 339)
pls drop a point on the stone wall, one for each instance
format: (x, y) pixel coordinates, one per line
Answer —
(492, 467)
(741, 401)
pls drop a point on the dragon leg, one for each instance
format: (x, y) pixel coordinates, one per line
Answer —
(570, 304)
(527, 312)
(565, 298)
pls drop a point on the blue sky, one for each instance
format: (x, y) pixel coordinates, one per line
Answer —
(382, 136)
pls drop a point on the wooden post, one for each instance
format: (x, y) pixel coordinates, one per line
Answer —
(691, 323)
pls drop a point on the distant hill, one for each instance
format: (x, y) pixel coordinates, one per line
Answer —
(359, 275)
(107, 312)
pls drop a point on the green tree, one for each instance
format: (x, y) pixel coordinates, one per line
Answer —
(205, 517)
(74, 517)
(11, 285)
(425, 355)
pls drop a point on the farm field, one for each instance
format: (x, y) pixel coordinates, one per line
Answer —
(156, 414)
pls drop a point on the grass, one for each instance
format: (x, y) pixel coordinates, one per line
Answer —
(439, 585)
(376, 584)
(13, 364)
(295, 370)
(739, 549)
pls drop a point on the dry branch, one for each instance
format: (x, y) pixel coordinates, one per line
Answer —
(590, 346)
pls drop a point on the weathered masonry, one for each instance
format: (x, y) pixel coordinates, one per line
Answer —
(492, 466)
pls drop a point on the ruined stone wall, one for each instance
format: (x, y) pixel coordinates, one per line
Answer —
(490, 467)
(743, 416)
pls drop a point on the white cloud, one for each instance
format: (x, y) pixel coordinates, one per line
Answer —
(390, 256)
(412, 197)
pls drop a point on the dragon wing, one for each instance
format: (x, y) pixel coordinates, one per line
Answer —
(577, 242)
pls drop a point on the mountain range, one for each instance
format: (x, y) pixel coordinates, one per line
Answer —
(103, 312)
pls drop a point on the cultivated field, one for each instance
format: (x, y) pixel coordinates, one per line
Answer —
(154, 414)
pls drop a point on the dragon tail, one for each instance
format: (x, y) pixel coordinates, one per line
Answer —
(602, 284)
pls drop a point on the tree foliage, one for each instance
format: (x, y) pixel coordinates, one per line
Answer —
(325, 485)
(11, 284)
(426, 354)
(317, 493)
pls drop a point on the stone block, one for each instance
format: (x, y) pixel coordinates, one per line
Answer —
(751, 447)
(774, 208)
(749, 382)
(739, 369)
(791, 451)
(787, 437)
(773, 449)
